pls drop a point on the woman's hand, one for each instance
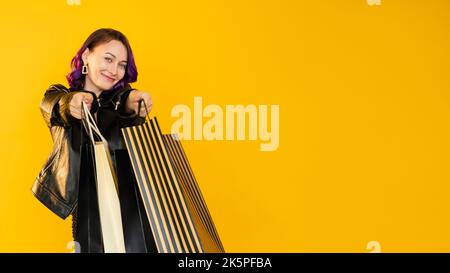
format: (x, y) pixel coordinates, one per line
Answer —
(75, 103)
(133, 102)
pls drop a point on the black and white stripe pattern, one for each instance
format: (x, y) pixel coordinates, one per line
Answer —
(199, 211)
(176, 210)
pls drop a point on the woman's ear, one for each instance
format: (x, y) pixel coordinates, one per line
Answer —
(84, 55)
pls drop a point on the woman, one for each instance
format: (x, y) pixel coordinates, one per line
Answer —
(102, 71)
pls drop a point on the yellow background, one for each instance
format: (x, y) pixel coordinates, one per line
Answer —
(364, 115)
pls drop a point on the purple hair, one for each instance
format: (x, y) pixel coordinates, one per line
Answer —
(103, 35)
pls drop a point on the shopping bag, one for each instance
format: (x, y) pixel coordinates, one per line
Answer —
(177, 212)
(107, 188)
(191, 191)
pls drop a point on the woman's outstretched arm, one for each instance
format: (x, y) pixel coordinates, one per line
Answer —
(50, 107)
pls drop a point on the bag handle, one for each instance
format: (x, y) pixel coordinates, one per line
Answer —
(89, 123)
(139, 109)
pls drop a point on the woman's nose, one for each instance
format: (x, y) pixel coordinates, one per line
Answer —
(113, 70)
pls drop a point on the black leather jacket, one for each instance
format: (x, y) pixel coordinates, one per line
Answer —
(56, 186)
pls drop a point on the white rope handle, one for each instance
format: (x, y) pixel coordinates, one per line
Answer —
(91, 124)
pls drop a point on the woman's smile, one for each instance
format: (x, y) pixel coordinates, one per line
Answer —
(108, 78)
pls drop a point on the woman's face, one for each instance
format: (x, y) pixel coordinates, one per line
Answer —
(106, 65)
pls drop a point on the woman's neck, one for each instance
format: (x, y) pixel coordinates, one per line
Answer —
(88, 86)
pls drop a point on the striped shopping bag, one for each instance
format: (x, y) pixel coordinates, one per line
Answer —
(177, 212)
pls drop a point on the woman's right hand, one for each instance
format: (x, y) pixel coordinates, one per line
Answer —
(75, 103)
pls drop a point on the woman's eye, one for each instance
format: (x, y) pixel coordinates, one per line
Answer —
(108, 59)
(123, 66)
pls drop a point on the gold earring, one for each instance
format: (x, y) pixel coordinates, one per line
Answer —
(84, 70)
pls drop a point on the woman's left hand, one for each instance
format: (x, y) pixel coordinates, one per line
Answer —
(133, 102)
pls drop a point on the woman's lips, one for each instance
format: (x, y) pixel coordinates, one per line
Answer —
(108, 78)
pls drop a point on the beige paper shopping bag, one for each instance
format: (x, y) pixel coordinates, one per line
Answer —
(107, 189)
